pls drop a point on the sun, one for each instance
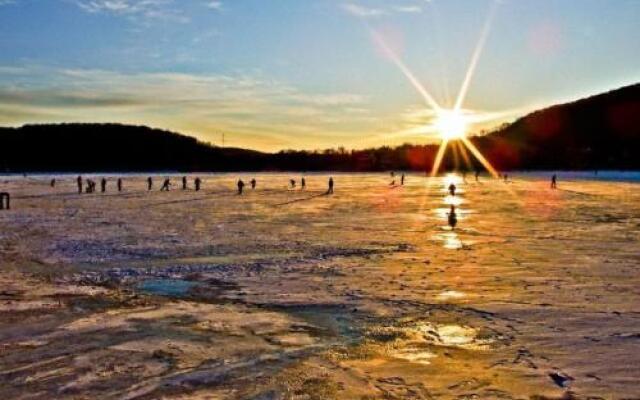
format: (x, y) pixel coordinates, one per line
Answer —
(451, 124)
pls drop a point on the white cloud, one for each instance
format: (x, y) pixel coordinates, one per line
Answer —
(215, 5)
(363, 12)
(147, 9)
(411, 9)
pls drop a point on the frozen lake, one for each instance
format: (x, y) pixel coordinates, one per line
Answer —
(286, 293)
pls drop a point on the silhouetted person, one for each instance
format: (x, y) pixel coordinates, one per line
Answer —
(477, 176)
(119, 184)
(330, 191)
(303, 183)
(184, 183)
(149, 183)
(165, 185)
(103, 185)
(392, 183)
(506, 177)
(402, 180)
(392, 174)
(79, 181)
(240, 186)
(5, 201)
(53, 182)
(253, 183)
(452, 189)
(452, 217)
(197, 183)
(293, 183)
(91, 186)
(554, 181)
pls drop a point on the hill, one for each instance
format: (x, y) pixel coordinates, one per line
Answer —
(114, 147)
(599, 132)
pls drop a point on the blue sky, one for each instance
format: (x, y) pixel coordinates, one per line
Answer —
(305, 74)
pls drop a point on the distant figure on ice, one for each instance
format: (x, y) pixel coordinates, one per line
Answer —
(303, 183)
(477, 176)
(554, 181)
(91, 186)
(452, 217)
(402, 180)
(506, 177)
(149, 183)
(103, 185)
(5, 201)
(240, 186)
(165, 185)
(330, 191)
(53, 182)
(184, 183)
(452, 189)
(392, 174)
(253, 183)
(197, 183)
(392, 183)
(119, 184)
(79, 181)
(293, 183)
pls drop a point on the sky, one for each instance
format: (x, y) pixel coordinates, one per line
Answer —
(307, 74)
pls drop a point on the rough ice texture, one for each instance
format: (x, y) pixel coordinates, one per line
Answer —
(289, 294)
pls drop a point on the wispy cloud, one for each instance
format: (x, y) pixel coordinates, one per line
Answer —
(215, 5)
(148, 9)
(410, 9)
(362, 11)
(253, 112)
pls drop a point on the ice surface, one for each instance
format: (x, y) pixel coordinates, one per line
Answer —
(280, 293)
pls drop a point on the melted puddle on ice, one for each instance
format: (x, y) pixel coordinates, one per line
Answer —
(450, 294)
(453, 335)
(418, 337)
(166, 287)
(414, 355)
(416, 340)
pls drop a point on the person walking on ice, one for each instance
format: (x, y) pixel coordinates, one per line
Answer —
(165, 185)
(240, 186)
(330, 190)
(554, 182)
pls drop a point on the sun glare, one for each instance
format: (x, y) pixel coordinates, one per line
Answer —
(451, 124)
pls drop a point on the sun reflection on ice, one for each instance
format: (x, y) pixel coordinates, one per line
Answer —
(450, 294)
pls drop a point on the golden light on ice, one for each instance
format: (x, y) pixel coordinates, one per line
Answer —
(451, 124)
